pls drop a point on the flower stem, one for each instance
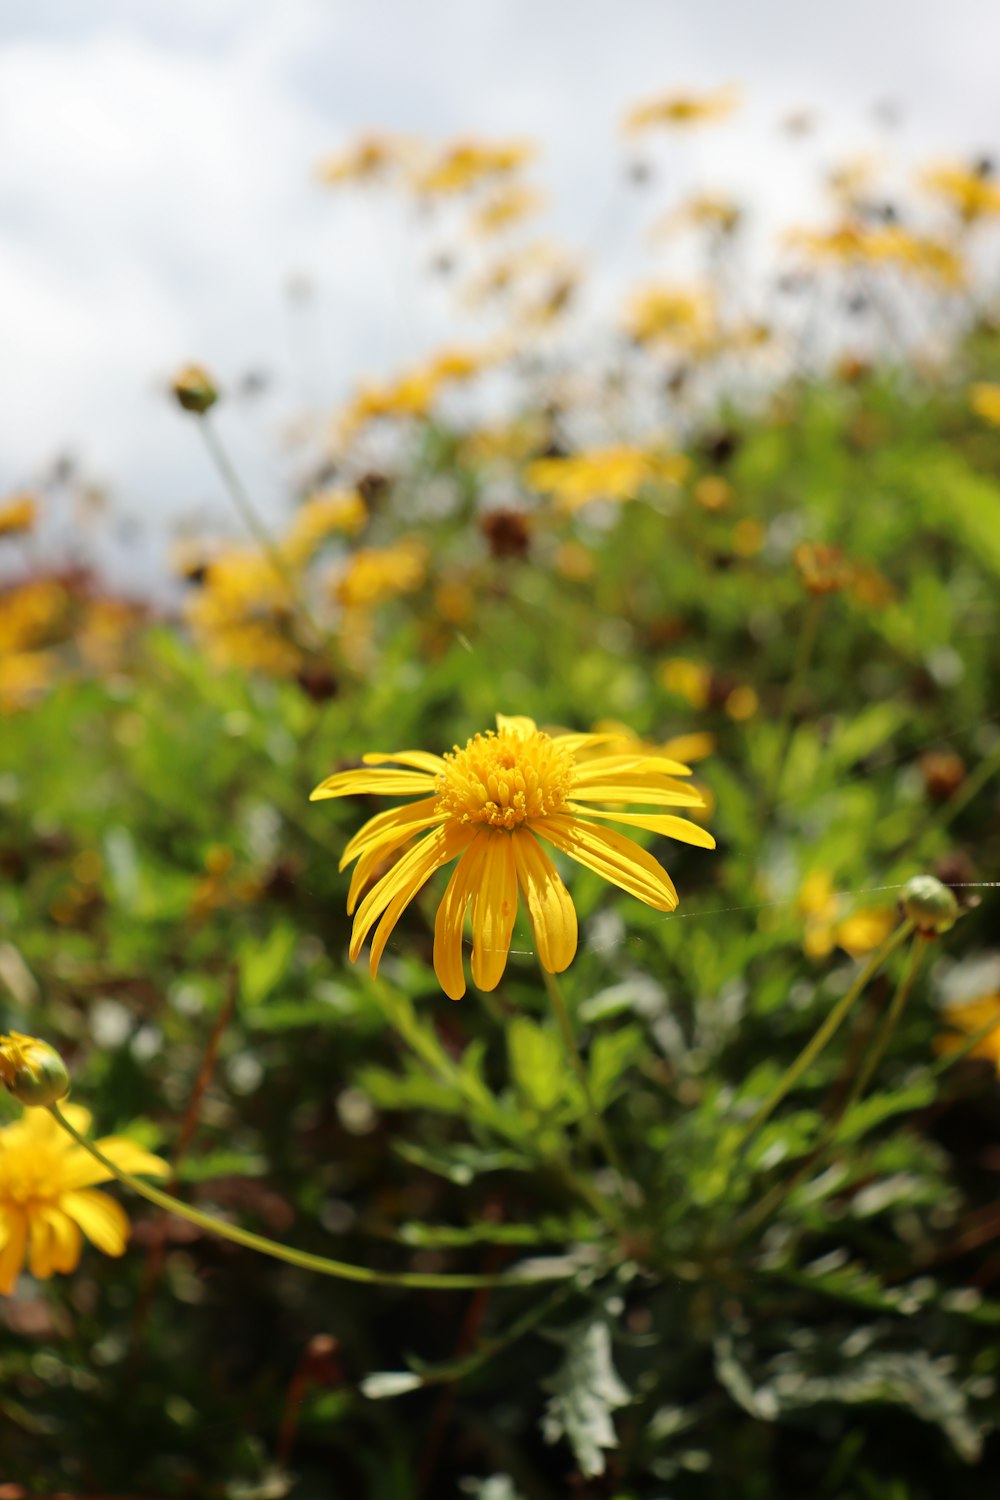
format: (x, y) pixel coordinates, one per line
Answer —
(595, 1123)
(249, 515)
(803, 656)
(895, 1011)
(322, 1264)
(823, 1034)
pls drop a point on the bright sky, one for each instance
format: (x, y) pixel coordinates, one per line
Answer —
(156, 189)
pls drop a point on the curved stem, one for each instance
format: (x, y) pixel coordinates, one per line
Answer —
(889, 1025)
(824, 1033)
(595, 1123)
(346, 1271)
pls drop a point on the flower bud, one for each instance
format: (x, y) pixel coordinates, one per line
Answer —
(930, 906)
(32, 1071)
(194, 389)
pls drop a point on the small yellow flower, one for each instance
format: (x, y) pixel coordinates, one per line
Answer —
(968, 1018)
(368, 159)
(603, 474)
(18, 515)
(683, 110)
(47, 1195)
(329, 513)
(509, 205)
(488, 804)
(971, 194)
(377, 573)
(984, 398)
(466, 164)
(679, 317)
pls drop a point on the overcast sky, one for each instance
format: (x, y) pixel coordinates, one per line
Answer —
(156, 187)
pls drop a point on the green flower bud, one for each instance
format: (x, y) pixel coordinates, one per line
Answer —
(931, 906)
(32, 1070)
(194, 389)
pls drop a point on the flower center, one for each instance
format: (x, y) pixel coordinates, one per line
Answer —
(504, 779)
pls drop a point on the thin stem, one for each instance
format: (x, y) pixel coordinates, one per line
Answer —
(891, 1021)
(319, 1263)
(249, 515)
(970, 787)
(803, 657)
(824, 1033)
(595, 1124)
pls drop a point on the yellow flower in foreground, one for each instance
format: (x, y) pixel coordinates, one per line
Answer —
(984, 398)
(488, 805)
(47, 1197)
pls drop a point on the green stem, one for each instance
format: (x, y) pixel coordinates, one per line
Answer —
(251, 519)
(824, 1033)
(595, 1124)
(428, 1280)
(895, 1011)
(803, 656)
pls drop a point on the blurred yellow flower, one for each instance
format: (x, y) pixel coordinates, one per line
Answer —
(858, 933)
(368, 159)
(971, 194)
(683, 109)
(32, 614)
(712, 492)
(25, 676)
(18, 515)
(603, 474)
(47, 1195)
(488, 805)
(377, 573)
(465, 164)
(984, 398)
(509, 205)
(329, 513)
(710, 211)
(690, 680)
(968, 1018)
(680, 317)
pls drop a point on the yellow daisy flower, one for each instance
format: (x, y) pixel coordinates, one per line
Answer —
(47, 1197)
(489, 804)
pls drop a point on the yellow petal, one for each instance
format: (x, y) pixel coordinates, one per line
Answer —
(386, 823)
(517, 723)
(553, 915)
(82, 1171)
(421, 760)
(102, 1220)
(663, 823)
(450, 918)
(455, 841)
(39, 1246)
(402, 882)
(611, 767)
(67, 1240)
(613, 856)
(15, 1223)
(374, 783)
(666, 793)
(493, 911)
(377, 854)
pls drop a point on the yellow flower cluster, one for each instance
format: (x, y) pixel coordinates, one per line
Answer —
(618, 473)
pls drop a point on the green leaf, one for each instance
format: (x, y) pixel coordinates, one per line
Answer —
(586, 1389)
(537, 1065)
(264, 963)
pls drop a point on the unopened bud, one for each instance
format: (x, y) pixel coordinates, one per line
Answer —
(194, 389)
(930, 906)
(32, 1071)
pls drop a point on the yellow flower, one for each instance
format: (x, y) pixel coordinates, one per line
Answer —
(24, 677)
(488, 805)
(968, 1018)
(465, 164)
(377, 573)
(368, 159)
(603, 474)
(326, 514)
(47, 1195)
(858, 933)
(973, 195)
(677, 316)
(18, 515)
(984, 398)
(509, 205)
(683, 109)
(691, 680)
